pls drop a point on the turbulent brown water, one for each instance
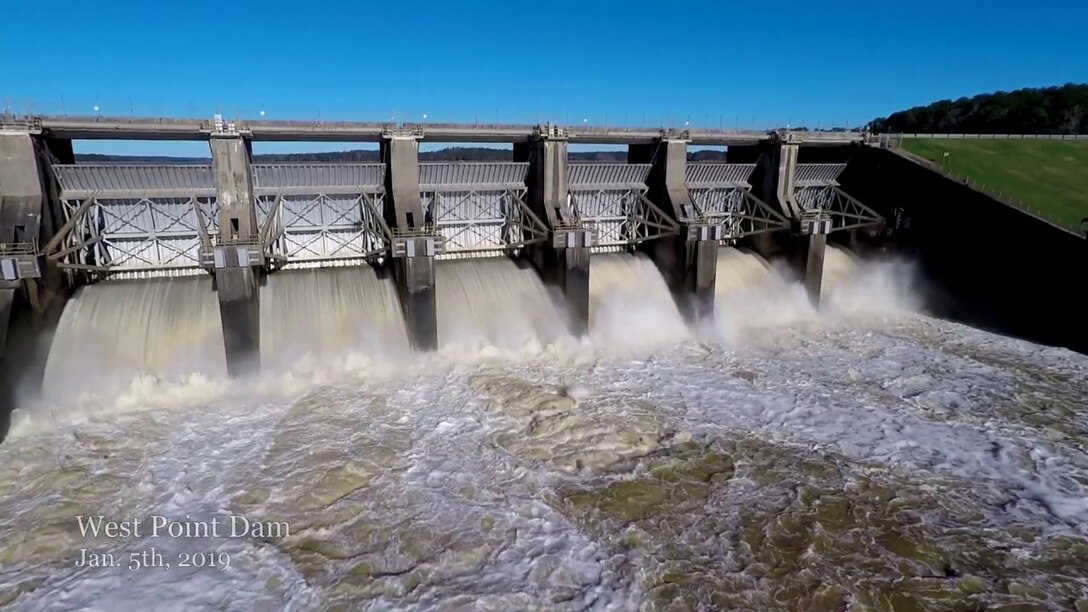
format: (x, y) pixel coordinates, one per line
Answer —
(861, 457)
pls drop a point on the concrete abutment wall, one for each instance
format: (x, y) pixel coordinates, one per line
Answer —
(979, 260)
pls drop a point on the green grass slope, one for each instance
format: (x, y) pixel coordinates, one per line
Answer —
(1048, 177)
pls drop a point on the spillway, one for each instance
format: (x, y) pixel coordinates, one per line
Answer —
(312, 317)
(752, 297)
(840, 265)
(630, 304)
(855, 287)
(496, 303)
(113, 332)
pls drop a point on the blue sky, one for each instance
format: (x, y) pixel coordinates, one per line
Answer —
(749, 64)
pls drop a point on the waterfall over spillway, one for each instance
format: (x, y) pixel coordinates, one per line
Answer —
(114, 331)
(494, 302)
(630, 304)
(752, 295)
(863, 287)
(316, 315)
(840, 267)
(326, 319)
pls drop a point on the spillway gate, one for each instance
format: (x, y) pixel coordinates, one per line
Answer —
(118, 221)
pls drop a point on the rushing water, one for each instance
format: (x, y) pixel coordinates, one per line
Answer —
(493, 304)
(629, 304)
(110, 332)
(312, 317)
(862, 456)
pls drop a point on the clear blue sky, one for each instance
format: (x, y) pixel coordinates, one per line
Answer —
(753, 63)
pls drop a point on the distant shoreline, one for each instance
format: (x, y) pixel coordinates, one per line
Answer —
(371, 156)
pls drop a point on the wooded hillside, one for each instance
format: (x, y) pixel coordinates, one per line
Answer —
(1049, 110)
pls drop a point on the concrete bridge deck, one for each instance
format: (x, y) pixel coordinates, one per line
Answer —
(123, 128)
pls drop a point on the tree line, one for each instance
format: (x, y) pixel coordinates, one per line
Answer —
(1045, 110)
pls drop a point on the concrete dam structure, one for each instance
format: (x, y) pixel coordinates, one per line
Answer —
(527, 384)
(224, 231)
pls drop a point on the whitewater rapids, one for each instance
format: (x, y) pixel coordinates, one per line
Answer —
(863, 456)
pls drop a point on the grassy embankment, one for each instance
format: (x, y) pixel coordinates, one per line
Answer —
(1047, 177)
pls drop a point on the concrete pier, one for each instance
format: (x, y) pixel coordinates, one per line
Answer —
(567, 269)
(7, 382)
(7, 301)
(563, 260)
(21, 193)
(21, 205)
(808, 260)
(238, 290)
(415, 279)
(31, 294)
(688, 260)
(774, 181)
(237, 277)
(415, 243)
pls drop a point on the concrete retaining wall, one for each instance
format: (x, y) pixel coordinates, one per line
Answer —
(985, 263)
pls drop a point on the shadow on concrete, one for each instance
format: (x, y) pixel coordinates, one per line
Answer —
(23, 370)
(982, 262)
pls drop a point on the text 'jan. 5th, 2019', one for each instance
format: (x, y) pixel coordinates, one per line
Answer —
(112, 537)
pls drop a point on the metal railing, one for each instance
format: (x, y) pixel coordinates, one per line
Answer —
(896, 139)
(421, 231)
(18, 248)
(992, 192)
(1005, 198)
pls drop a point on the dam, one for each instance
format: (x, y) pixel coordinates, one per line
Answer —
(239, 226)
(531, 384)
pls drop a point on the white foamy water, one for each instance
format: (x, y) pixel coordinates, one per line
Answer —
(630, 306)
(856, 288)
(753, 297)
(538, 482)
(494, 303)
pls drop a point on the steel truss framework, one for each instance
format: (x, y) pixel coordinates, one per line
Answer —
(610, 200)
(132, 219)
(721, 195)
(479, 207)
(163, 219)
(817, 192)
(322, 212)
(152, 233)
(324, 226)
